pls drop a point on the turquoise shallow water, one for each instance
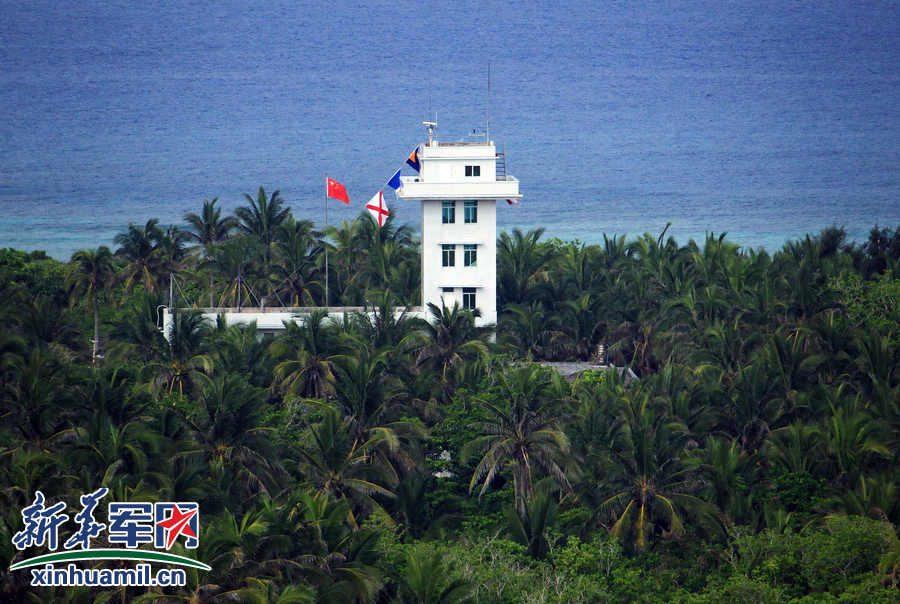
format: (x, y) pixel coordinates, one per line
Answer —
(764, 119)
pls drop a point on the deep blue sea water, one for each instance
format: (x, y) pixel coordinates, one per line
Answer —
(767, 120)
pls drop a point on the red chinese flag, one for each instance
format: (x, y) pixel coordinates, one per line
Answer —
(336, 190)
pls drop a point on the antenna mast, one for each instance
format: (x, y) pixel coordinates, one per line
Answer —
(487, 133)
(429, 128)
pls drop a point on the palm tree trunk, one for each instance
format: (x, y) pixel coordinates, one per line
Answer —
(522, 484)
(96, 332)
(211, 304)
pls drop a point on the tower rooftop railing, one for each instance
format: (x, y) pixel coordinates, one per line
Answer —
(463, 144)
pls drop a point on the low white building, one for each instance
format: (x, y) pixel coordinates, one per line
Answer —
(459, 185)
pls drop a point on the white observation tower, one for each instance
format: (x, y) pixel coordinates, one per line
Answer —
(459, 185)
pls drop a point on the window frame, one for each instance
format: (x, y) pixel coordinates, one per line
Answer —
(470, 254)
(470, 211)
(448, 212)
(448, 254)
(469, 301)
(473, 171)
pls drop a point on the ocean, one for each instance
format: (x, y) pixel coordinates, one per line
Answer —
(765, 119)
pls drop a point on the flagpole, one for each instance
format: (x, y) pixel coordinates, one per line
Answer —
(325, 242)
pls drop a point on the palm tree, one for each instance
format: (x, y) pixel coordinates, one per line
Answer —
(710, 264)
(386, 326)
(522, 432)
(797, 448)
(413, 506)
(229, 546)
(136, 334)
(183, 361)
(877, 363)
(850, 438)
(337, 560)
(592, 430)
(209, 229)
(530, 527)
(240, 349)
(366, 394)
(46, 323)
(878, 497)
(529, 331)
(306, 370)
(404, 278)
(12, 353)
(234, 261)
(36, 401)
(578, 269)
(334, 462)
(579, 318)
(266, 591)
(27, 471)
(296, 269)
(449, 341)
(792, 363)
(724, 345)
(614, 256)
(171, 256)
(91, 275)
(520, 263)
(114, 453)
(731, 472)
(751, 407)
(227, 422)
(387, 247)
(654, 259)
(652, 481)
(113, 392)
(137, 246)
(428, 580)
(261, 219)
(344, 270)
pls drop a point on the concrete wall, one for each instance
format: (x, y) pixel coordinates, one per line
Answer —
(483, 276)
(446, 163)
(272, 321)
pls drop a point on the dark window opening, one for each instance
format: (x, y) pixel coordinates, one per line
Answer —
(469, 298)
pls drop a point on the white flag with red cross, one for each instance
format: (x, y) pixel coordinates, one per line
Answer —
(378, 208)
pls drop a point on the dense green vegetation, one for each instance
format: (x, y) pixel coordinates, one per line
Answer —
(382, 459)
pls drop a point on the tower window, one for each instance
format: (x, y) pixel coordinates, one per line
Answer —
(469, 298)
(470, 211)
(448, 255)
(448, 212)
(473, 170)
(470, 255)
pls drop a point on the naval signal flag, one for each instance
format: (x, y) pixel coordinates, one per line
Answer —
(413, 160)
(378, 209)
(336, 190)
(394, 182)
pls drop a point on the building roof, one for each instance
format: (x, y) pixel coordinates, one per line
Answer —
(572, 369)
